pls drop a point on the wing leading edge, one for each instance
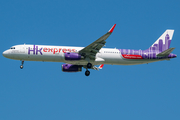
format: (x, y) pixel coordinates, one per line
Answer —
(91, 50)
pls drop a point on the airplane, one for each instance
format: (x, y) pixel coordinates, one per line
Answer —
(76, 58)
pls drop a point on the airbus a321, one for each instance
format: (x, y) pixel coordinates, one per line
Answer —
(76, 58)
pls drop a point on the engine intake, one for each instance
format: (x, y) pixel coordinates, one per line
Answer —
(71, 68)
(72, 56)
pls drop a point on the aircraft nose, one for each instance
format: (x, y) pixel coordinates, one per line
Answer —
(5, 53)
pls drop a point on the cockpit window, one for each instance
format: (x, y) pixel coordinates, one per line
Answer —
(12, 48)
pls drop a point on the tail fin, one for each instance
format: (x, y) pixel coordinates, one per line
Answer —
(163, 42)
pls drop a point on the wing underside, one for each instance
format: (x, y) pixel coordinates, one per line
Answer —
(91, 50)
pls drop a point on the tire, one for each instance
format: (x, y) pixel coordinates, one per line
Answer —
(89, 65)
(21, 66)
(87, 73)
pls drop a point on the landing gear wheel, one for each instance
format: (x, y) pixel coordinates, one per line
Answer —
(21, 66)
(22, 62)
(87, 73)
(89, 65)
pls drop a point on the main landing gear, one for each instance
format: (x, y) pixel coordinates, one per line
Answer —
(87, 73)
(22, 62)
(89, 65)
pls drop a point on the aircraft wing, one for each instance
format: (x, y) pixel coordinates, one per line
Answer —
(98, 68)
(91, 50)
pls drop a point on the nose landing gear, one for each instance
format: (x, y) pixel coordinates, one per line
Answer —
(22, 64)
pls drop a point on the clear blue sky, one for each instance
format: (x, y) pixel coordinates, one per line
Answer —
(41, 91)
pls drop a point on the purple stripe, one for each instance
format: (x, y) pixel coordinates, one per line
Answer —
(152, 51)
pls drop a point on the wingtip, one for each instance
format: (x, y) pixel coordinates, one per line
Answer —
(112, 28)
(101, 66)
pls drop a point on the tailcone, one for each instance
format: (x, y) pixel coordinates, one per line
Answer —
(172, 55)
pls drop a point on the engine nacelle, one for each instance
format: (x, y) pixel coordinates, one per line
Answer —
(72, 56)
(71, 68)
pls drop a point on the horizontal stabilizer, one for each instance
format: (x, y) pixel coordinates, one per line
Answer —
(165, 53)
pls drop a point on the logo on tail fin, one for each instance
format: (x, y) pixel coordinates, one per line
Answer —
(163, 42)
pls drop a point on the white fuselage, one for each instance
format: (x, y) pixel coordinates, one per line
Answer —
(94, 54)
(56, 54)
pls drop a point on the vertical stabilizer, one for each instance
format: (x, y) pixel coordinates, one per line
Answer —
(163, 42)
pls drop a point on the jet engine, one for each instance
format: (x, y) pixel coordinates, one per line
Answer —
(71, 68)
(72, 56)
